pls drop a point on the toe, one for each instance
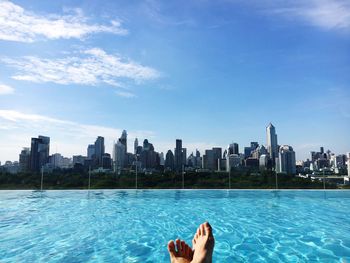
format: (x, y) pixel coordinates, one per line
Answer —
(199, 231)
(208, 229)
(183, 247)
(193, 242)
(187, 251)
(202, 229)
(171, 248)
(178, 245)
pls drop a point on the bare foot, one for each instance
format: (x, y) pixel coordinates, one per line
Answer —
(203, 244)
(183, 254)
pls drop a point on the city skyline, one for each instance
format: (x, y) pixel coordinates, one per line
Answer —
(210, 74)
(273, 157)
(232, 148)
(164, 147)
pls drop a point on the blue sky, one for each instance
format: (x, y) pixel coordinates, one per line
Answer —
(209, 72)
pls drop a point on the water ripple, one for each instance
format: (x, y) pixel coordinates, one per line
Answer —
(135, 226)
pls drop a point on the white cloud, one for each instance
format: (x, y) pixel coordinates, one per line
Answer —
(126, 94)
(17, 24)
(5, 89)
(325, 14)
(70, 138)
(89, 67)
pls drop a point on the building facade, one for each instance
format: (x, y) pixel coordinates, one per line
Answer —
(286, 160)
(39, 153)
(271, 142)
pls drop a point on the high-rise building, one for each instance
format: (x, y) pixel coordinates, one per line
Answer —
(106, 161)
(39, 153)
(78, 159)
(233, 148)
(272, 145)
(136, 144)
(209, 161)
(247, 152)
(99, 150)
(232, 161)
(56, 160)
(217, 155)
(24, 159)
(161, 158)
(259, 151)
(90, 151)
(254, 145)
(169, 160)
(119, 155)
(184, 156)
(124, 140)
(148, 156)
(263, 161)
(178, 156)
(286, 160)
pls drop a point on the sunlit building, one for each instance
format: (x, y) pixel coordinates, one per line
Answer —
(271, 141)
(286, 160)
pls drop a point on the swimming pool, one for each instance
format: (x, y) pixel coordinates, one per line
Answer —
(135, 226)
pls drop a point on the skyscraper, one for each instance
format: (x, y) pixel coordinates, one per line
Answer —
(254, 145)
(247, 152)
(161, 158)
(271, 140)
(217, 155)
(209, 160)
(233, 148)
(184, 156)
(119, 156)
(232, 161)
(24, 159)
(169, 160)
(136, 144)
(178, 156)
(39, 153)
(286, 160)
(123, 139)
(148, 156)
(106, 161)
(90, 151)
(118, 150)
(99, 150)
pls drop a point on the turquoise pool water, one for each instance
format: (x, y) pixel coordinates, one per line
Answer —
(135, 226)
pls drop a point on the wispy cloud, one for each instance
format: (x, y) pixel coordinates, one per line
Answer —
(17, 24)
(16, 129)
(325, 14)
(155, 11)
(125, 94)
(89, 67)
(5, 89)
